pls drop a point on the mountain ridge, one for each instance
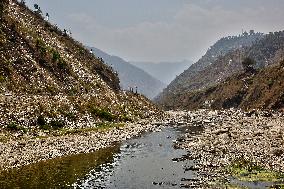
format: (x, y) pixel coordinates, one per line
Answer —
(164, 71)
(192, 79)
(130, 75)
(265, 52)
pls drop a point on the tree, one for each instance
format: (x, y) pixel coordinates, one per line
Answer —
(248, 64)
(37, 8)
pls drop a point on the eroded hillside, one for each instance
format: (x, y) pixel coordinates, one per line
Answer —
(44, 72)
(263, 89)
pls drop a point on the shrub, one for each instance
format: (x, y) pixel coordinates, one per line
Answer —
(13, 127)
(103, 114)
(2, 79)
(41, 121)
(248, 64)
(57, 124)
(62, 64)
(55, 56)
(71, 116)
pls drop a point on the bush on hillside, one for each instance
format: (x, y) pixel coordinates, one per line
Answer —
(248, 64)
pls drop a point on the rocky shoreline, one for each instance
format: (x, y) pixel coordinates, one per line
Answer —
(17, 153)
(230, 136)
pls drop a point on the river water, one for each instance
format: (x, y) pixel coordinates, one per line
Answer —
(144, 162)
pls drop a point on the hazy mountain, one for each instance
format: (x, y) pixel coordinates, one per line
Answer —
(131, 76)
(164, 71)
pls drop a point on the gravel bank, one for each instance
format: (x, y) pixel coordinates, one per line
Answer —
(22, 152)
(229, 136)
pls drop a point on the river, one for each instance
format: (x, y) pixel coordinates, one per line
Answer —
(145, 162)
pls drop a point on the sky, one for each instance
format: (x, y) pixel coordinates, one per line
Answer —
(161, 30)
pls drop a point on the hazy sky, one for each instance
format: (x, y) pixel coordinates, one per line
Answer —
(161, 30)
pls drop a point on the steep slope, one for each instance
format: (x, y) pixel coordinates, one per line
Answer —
(263, 89)
(131, 76)
(164, 71)
(207, 67)
(265, 52)
(46, 73)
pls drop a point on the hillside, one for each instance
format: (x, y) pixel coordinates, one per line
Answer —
(131, 76)
(266, 52)
(46, 76)
(220, 61)
(164, 71)
(263, 89)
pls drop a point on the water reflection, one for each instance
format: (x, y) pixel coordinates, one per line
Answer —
(57, 173)
(145, 162)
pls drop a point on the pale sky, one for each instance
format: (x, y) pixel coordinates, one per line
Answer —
(161, 30)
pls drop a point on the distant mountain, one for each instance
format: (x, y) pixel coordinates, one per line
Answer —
(164, 71)
(216, 65)
(130, 75)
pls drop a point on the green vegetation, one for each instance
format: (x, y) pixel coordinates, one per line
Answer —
(251, 172)
(53, 125)
(99, 127)
(40, 45)
(15, 127)
(55, 56)
(103, 114)
(125, 118)
(2, 79)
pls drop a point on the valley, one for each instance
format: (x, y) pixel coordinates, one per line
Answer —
(73, 116)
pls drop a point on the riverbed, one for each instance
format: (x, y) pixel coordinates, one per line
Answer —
(192, 150)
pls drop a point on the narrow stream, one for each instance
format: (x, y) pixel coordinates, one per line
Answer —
(145, 162)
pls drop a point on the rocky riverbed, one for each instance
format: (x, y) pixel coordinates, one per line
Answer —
(232, 137)
(18, 152)
(224, 142)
